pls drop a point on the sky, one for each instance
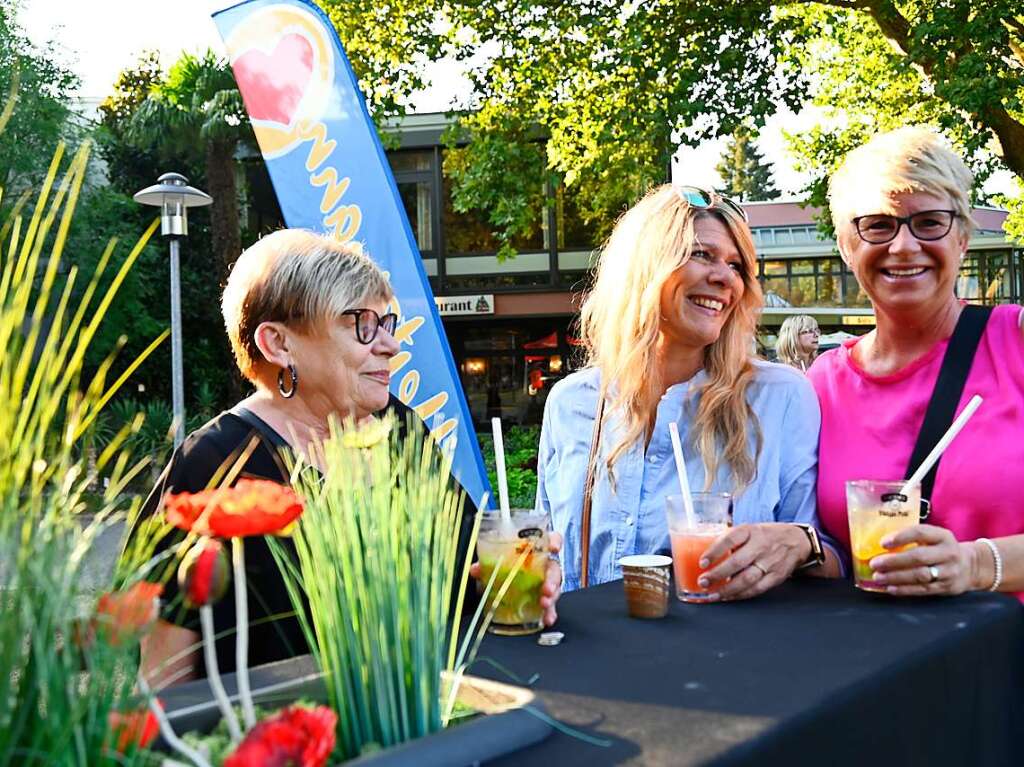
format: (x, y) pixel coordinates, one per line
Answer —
(102, 37)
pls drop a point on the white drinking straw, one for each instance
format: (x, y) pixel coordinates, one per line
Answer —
(938, 450)
(684, 482)
(499, 463)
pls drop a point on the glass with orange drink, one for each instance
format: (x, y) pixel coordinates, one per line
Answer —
(875, 510)
(712, 514)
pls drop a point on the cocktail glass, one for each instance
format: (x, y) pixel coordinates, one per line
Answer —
(712, 517)
(500, 546)
(875, 510)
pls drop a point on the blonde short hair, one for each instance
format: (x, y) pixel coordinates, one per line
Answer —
(910, 159)
(787, 349)
(621, 322)
(297, 278)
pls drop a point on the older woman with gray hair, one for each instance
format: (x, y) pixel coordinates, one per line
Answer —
(309, 325)
(902, 214)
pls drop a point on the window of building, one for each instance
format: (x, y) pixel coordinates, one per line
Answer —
(417, 197)
(470, 233)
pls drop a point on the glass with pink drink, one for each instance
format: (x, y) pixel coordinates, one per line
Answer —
(712, 517)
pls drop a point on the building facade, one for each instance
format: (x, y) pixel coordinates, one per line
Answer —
(510, 323)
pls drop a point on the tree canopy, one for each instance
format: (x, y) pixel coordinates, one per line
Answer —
(36, 87)
(612, 87)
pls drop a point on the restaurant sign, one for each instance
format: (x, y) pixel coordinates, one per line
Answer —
(456, 306)
(857, 319)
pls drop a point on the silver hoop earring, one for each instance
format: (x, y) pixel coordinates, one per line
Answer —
(289, 393)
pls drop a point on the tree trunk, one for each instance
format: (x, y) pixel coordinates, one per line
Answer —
(220, 178)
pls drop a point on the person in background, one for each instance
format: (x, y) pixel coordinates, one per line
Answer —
(902, 215)
(798, 341)
(668, 329)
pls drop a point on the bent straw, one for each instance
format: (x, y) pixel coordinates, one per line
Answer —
(684, 482)
(499, 464)
(943, 443)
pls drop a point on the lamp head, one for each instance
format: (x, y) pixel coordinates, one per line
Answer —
(173, 196)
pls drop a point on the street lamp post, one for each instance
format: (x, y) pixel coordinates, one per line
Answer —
(174, 197)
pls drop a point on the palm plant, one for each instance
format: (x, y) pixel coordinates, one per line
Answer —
(66, 673)
(199, 106)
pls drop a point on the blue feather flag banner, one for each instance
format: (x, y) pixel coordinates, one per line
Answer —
(331, 175)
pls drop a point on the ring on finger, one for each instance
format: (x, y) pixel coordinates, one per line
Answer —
(933, 571)
(759, 567)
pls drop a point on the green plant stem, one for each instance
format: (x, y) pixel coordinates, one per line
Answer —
(242, 633)
(168, 732)
(213, 673)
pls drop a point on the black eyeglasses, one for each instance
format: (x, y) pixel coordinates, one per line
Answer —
(368, 322)
(709, 198)
(927, 225)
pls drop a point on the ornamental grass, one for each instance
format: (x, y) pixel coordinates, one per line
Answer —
(376, 583)
(67, 670)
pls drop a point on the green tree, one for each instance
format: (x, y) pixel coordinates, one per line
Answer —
(41, 86)
(198, 109)
(745, 174)
(614, 87)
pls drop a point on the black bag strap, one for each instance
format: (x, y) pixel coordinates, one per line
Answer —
(949, 388)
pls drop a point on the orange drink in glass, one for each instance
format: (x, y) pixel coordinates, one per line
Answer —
(691, 538)
(875, 510)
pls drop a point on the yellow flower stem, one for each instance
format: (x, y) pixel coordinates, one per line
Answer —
(213, 673)
(242, 633)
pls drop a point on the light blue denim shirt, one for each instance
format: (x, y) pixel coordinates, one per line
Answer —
(632, 519)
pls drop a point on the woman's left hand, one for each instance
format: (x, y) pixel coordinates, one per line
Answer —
(551, 590)
(938, 564)
(758, 558)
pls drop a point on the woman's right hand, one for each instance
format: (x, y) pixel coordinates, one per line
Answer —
(757, 558)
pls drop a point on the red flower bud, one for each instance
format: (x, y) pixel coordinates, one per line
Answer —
(125, 614)
(203, 573)
(135, 729)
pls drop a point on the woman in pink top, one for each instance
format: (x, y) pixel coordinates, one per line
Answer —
(901, 209)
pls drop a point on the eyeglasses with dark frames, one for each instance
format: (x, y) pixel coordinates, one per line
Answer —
(926, 225)
(699, 197)
(368, 322)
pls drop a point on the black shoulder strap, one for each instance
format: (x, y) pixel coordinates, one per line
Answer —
(949, 388)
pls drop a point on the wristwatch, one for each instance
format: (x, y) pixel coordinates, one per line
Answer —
(817, 555)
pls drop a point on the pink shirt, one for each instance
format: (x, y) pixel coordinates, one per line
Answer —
(869, 425)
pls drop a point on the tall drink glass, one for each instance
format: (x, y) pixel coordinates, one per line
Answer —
(712, 517)
(500, 547)
(875, 510)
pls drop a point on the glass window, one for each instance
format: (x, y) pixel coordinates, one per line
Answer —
(804, 266)
(471, 232)
(417, 199)
(573, 232)
(405, 160)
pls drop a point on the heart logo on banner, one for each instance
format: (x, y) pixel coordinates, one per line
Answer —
(272, 85)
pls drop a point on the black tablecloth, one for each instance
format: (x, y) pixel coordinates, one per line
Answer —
(814, 672)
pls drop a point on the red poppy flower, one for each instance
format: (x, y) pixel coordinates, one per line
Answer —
(135, 729)
(250, 507)
(203, 573)
(124, 614)
(294, 737)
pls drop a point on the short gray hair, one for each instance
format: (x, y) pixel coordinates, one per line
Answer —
(910, 159)
(298, 278)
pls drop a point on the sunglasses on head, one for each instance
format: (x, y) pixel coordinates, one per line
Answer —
(699, 197)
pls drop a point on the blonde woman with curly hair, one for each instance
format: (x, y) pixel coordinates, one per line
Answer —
(798, 341)
(668, 328)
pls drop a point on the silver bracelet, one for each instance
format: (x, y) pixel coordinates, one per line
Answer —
(997, 558)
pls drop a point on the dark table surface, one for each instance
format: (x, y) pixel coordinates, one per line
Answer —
(814, 672)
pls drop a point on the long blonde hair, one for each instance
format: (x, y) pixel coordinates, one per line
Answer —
(788, 347)
(621, 323)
